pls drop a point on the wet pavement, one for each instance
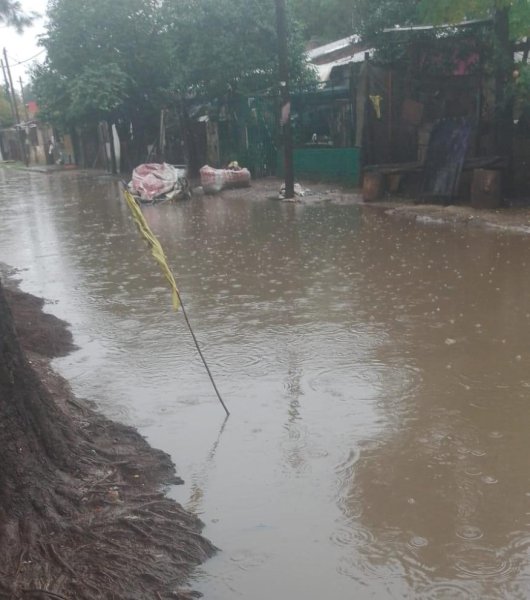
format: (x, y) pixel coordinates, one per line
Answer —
(376, 370)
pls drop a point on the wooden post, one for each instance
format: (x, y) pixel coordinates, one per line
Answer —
(503, 97)
(11, 87)
(162, 135)
(486, 189)
(8, 90)
(373, 186)
(113, 165)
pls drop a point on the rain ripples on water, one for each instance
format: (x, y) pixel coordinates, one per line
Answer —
(376, 370)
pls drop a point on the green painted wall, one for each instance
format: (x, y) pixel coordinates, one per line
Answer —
(326, 164)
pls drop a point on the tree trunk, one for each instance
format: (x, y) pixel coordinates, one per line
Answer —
(37, 449)
(32, 430)
(81, 513)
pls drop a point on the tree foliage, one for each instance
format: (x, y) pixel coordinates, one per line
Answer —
(452, 11)
(372, 17)
(126, 59)
(328, 20)
(6, 119)
(217, 45)
(104, 60)
(325, 20)
(12, 15)
(332, 19)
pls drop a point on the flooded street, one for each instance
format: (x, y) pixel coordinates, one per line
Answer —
(377, 372)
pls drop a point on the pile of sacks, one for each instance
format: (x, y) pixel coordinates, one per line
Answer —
(215, 180)
(153, 182)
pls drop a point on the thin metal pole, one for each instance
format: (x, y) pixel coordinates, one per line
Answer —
(201, 354)
(161, 259)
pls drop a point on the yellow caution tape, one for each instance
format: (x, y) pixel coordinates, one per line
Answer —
(154, 244)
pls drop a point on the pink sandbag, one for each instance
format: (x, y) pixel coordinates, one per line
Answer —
(153, 179)
(215, 180)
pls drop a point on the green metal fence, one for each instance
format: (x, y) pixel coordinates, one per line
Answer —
(326, 164)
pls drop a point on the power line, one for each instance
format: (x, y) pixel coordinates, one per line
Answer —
(21, 62)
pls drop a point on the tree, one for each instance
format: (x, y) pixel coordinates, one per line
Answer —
(370, 18)
(105, 61)
(6, 118)
(451, 11)
(325, 20)
(64, 526)
(12, 15)
(332, 19)
(228, 45)
(33, 438)
(123, 62)
(329, 20)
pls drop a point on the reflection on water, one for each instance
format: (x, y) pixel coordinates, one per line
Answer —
(376, 371)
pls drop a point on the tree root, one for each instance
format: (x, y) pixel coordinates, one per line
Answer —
(87, 521)
(36, 591)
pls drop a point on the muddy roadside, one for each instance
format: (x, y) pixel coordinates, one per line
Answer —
(512, 218)
(120, 536)
(509, 219)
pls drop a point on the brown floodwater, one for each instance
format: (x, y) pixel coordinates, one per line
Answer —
(377, 372)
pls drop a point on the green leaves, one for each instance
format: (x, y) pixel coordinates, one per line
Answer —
(12, 15)
(328, 20)
(6, 118)
(221, 45)
(453, 11)
(96, 92)
(128, 58)
(104, 60)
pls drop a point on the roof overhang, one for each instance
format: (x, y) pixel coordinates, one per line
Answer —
(470, 23)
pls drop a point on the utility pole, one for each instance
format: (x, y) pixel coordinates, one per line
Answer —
(8, 92)
(17, 117)
(11, 87)
(283, 63)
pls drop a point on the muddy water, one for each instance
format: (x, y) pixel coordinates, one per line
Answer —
(377, 372)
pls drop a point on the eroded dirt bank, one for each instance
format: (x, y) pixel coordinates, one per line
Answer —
(114, 533)
(512, 219)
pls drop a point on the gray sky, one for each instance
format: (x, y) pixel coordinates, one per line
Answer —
(20, 47)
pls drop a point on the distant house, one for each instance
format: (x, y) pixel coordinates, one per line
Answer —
(423, 116)
(26, 142)
(324, 117)
(32, 109)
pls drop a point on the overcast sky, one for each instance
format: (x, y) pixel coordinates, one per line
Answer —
(20, 47)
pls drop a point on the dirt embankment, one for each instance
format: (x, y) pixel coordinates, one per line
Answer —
(510, 219)
(119, 537)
